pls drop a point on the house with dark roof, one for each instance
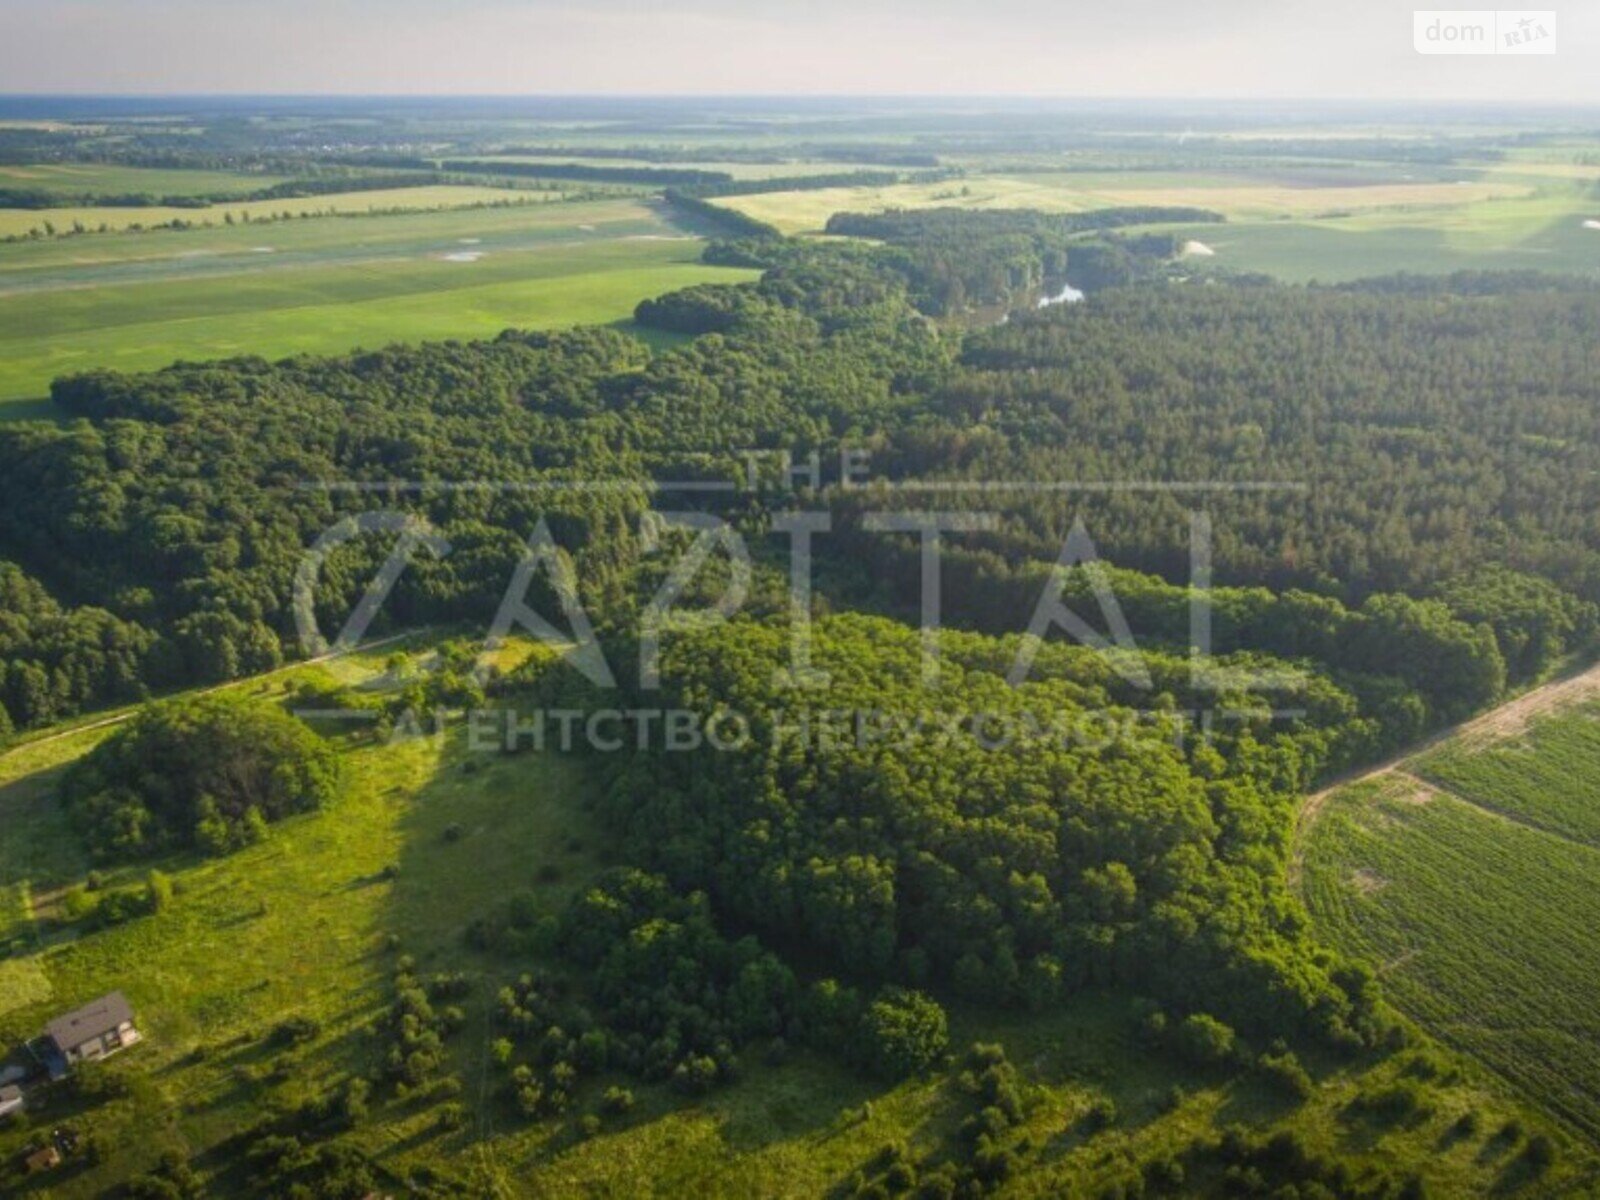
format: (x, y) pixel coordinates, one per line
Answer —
(99, 1028)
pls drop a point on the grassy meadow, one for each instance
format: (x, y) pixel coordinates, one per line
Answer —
(411, 278)
(134, 256)
(781, 169)
(1471, 884)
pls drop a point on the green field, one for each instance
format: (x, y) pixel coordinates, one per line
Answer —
(1235, 197)
(298, 926)
(19, 222)
(1548, 778)
(141, 255)
(1481, 920)
(107, 179)
(1298, 225)
(1544, 232)
(739, 170)
(418, 277)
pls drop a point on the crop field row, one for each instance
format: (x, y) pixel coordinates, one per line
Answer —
(1479, 903)
(17, 222)
(107, 179)
(1549, 778)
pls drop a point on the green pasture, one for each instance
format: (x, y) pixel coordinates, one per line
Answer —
(322, 310)
(1235, 196)
(17, 222)
(739, 170)
(140, 255)
(111, 179)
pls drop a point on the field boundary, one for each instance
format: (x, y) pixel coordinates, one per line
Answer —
(1502, 721)
(126, 714)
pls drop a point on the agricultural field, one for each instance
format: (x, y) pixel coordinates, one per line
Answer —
(1547, 776)
(426, 836)
(808, 211)
(1552, 230)
(780, 169)
(1297, 225)
(137, 255)
(21, 223)
(107, 179)
(139, 301)
(1468, 878)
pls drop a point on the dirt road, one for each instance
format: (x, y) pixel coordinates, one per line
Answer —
(120, 717)
(1506, 720)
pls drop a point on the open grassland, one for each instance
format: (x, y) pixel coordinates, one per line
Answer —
(803, 1129)
(808, 211)
(16, 222)
(331, 298)
(1547, 777)
(424, 838)
(1542, 232)
(739, 170)
(151, 254)
(1293, 223)
(1481, 922)
(107, 179)
(289, 927)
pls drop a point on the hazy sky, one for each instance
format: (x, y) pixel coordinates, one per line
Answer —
(1242, 48)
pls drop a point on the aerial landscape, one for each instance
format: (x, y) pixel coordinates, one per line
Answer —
(777, 603)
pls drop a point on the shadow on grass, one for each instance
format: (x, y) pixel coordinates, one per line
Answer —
(30, 410)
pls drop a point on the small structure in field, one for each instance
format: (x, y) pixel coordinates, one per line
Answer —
(46, 1158)
(97, 1030)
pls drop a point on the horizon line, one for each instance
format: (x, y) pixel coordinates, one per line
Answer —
(1058, 97)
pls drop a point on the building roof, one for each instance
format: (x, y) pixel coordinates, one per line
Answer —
(93, 1020)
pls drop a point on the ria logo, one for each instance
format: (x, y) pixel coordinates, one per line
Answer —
(1484, 31)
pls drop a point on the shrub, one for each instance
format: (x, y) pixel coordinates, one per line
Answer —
(1204, 1040)
(902, 1032)
(1285, 1074)
(616, 1102)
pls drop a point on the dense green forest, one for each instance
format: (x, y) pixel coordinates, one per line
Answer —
(1428, 442)
(994, 840)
